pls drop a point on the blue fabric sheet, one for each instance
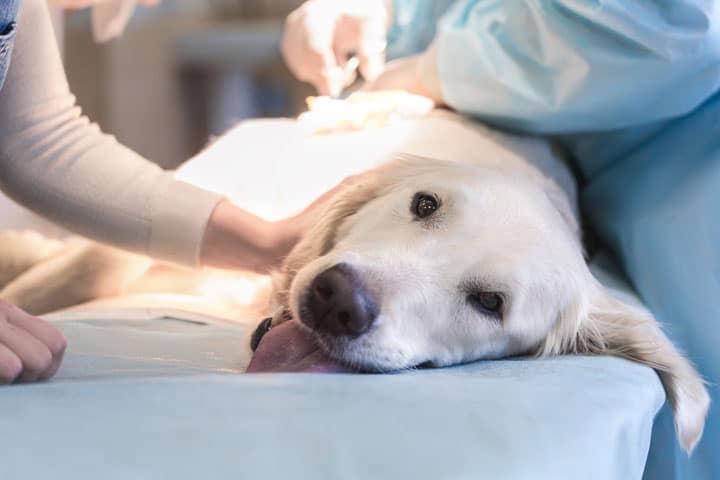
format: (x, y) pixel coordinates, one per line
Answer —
(564, 418)
(163, 399)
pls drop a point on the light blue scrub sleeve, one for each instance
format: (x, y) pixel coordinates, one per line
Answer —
(578, 65)
(413, 25)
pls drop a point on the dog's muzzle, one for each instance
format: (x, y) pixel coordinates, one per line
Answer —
(337, 303)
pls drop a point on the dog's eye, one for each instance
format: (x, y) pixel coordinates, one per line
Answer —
(490, 303)
(424, 205)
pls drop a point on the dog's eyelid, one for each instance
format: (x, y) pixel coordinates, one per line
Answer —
(473, 288)
(481, 285)
(489, 304)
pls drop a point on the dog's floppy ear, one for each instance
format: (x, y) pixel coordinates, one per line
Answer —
(559, 200)
(606, 326)
(320, 239)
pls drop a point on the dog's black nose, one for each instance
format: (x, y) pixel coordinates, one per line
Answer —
(339, 304)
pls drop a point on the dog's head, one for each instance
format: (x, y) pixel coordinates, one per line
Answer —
(437, 263)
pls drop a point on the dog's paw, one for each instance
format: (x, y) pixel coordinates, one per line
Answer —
(281, 316)
(21, 250)
(260, 332)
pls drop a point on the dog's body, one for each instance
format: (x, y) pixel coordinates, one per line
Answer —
(462, 247)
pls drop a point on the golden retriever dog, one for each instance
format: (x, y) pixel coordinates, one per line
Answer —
(458, 255)
(464, 246)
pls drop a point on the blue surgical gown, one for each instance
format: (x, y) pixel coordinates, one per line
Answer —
(632, 89)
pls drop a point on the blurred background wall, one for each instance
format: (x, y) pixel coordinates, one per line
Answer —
(183, 72)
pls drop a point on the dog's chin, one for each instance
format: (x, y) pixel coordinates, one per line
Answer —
(361, 355)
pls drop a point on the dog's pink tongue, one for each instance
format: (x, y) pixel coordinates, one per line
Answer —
(291, 348)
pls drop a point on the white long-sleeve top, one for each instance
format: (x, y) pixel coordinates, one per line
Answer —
(61, 166)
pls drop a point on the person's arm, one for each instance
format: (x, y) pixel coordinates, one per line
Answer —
(564, 66)
(54, 161)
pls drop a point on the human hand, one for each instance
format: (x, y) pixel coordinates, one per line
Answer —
(237, 239)
(321, 34)
(78, 4)
(30, 348)
(290, 230)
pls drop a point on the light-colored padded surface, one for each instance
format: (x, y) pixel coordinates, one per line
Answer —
(162, 399)
(563, 418)
(111, 349)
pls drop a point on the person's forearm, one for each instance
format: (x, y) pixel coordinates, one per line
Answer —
(237, 239)
(55, 162)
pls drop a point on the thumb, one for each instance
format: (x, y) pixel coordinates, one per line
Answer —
(371, 48)
(330, 81)
(330, 78)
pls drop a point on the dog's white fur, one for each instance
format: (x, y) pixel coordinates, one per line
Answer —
(503, 226)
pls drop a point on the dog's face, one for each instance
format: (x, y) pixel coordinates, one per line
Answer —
(443, 265)
(435, 263)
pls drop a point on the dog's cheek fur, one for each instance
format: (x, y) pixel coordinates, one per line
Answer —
(321, 238)
(603, 325)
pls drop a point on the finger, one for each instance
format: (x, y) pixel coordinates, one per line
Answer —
(52, 369)
(372, 65)
(372, 44)
(323, 85)
(10, 365)
(35, 356)
(330, 80)
(40, 329)
(308, 47)
(46, 333)
(314, 64)
(361, 38)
